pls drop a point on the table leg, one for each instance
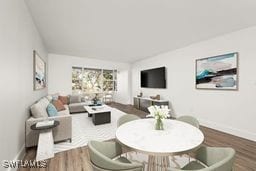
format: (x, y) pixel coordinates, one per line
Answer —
(45, 145)
(175, 162)
(158, 163)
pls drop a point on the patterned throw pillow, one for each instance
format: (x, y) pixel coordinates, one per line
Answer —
(64, 99)
(51, 110)
(58, 105)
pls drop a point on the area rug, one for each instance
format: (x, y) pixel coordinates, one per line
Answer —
(83, 130)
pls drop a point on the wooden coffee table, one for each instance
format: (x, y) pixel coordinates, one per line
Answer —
(100, 114)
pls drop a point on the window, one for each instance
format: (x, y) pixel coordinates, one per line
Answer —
(77, 79)
(88, 80)
(109, 80)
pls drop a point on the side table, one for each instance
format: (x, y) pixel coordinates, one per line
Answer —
(45, 141)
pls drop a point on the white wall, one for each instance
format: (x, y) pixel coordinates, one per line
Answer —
(229, 111)
(19, 38)
(60, 74)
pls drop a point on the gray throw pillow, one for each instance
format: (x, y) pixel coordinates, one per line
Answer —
(75, 99)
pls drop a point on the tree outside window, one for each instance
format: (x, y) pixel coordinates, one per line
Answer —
(77, 79)
(89, 80)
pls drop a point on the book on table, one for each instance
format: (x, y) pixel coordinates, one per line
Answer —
(44, 123)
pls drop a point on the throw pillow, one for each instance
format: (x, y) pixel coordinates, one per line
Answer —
(55, 96)
(52, 111)
(64, 99)
(49, 97)
(58, 105)
(38, 110)
(75, 99)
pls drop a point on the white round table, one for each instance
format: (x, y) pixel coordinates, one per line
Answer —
(176, 138)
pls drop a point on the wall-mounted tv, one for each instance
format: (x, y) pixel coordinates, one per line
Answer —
(153, 78)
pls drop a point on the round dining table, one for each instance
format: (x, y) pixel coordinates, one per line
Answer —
(177, 138)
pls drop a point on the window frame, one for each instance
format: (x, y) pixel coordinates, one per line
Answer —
(102, 79)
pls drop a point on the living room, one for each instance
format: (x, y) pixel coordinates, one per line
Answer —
(95, 53)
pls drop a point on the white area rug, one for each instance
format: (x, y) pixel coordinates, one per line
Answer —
(83, 130)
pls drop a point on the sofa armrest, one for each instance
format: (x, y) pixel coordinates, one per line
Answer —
(60, 133)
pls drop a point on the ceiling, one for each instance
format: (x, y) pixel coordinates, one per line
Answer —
(130, 30)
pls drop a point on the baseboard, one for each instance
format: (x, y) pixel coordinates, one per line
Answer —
(20, 155)
(230, 130)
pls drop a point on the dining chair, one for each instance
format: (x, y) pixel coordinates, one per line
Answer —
(126, 118)
(106, 156)
(211, 159)
(190, 120)
(108, 97)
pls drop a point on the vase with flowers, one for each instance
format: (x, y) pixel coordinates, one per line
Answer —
(159, 113)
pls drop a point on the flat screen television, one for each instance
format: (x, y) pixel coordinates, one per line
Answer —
(153, 78)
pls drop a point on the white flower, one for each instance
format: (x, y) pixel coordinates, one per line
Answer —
(158, 112)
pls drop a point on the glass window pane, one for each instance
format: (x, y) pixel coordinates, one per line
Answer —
(76, 79)
(108, 85)
(92, 80)
(108, 74)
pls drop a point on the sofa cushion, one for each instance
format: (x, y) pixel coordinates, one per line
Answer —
(58, 105)
(77, 107)
(51, 110)
(75, 99)
(78, 104)
(38, 110)
(44, 101)
(49, 98)
(63, 112)
(64, 99)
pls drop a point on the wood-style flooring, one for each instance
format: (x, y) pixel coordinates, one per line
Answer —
(77, 159)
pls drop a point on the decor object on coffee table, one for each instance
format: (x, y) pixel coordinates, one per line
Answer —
(218, 72)
(159, 113)
(39, 72)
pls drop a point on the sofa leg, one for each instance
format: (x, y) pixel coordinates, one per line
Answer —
(70, 140)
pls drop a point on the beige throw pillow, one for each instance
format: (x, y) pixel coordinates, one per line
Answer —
(38, 111)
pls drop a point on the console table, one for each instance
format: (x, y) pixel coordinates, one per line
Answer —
(142, 103)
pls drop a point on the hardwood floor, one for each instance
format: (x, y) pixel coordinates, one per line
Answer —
(77, 159)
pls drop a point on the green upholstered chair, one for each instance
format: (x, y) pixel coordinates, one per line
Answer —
(106, 156)
(211, 159)
(122, 120)
(190, 120)
(126, 118)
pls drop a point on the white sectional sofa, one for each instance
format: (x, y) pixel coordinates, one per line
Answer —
(62, 132)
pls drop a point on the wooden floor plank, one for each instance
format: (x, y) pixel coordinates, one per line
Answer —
(78, 159)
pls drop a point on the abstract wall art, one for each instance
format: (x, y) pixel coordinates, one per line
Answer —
(39, 72)
(217, 72)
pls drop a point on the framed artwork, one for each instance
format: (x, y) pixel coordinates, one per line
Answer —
(39, 72)
(217, 72)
